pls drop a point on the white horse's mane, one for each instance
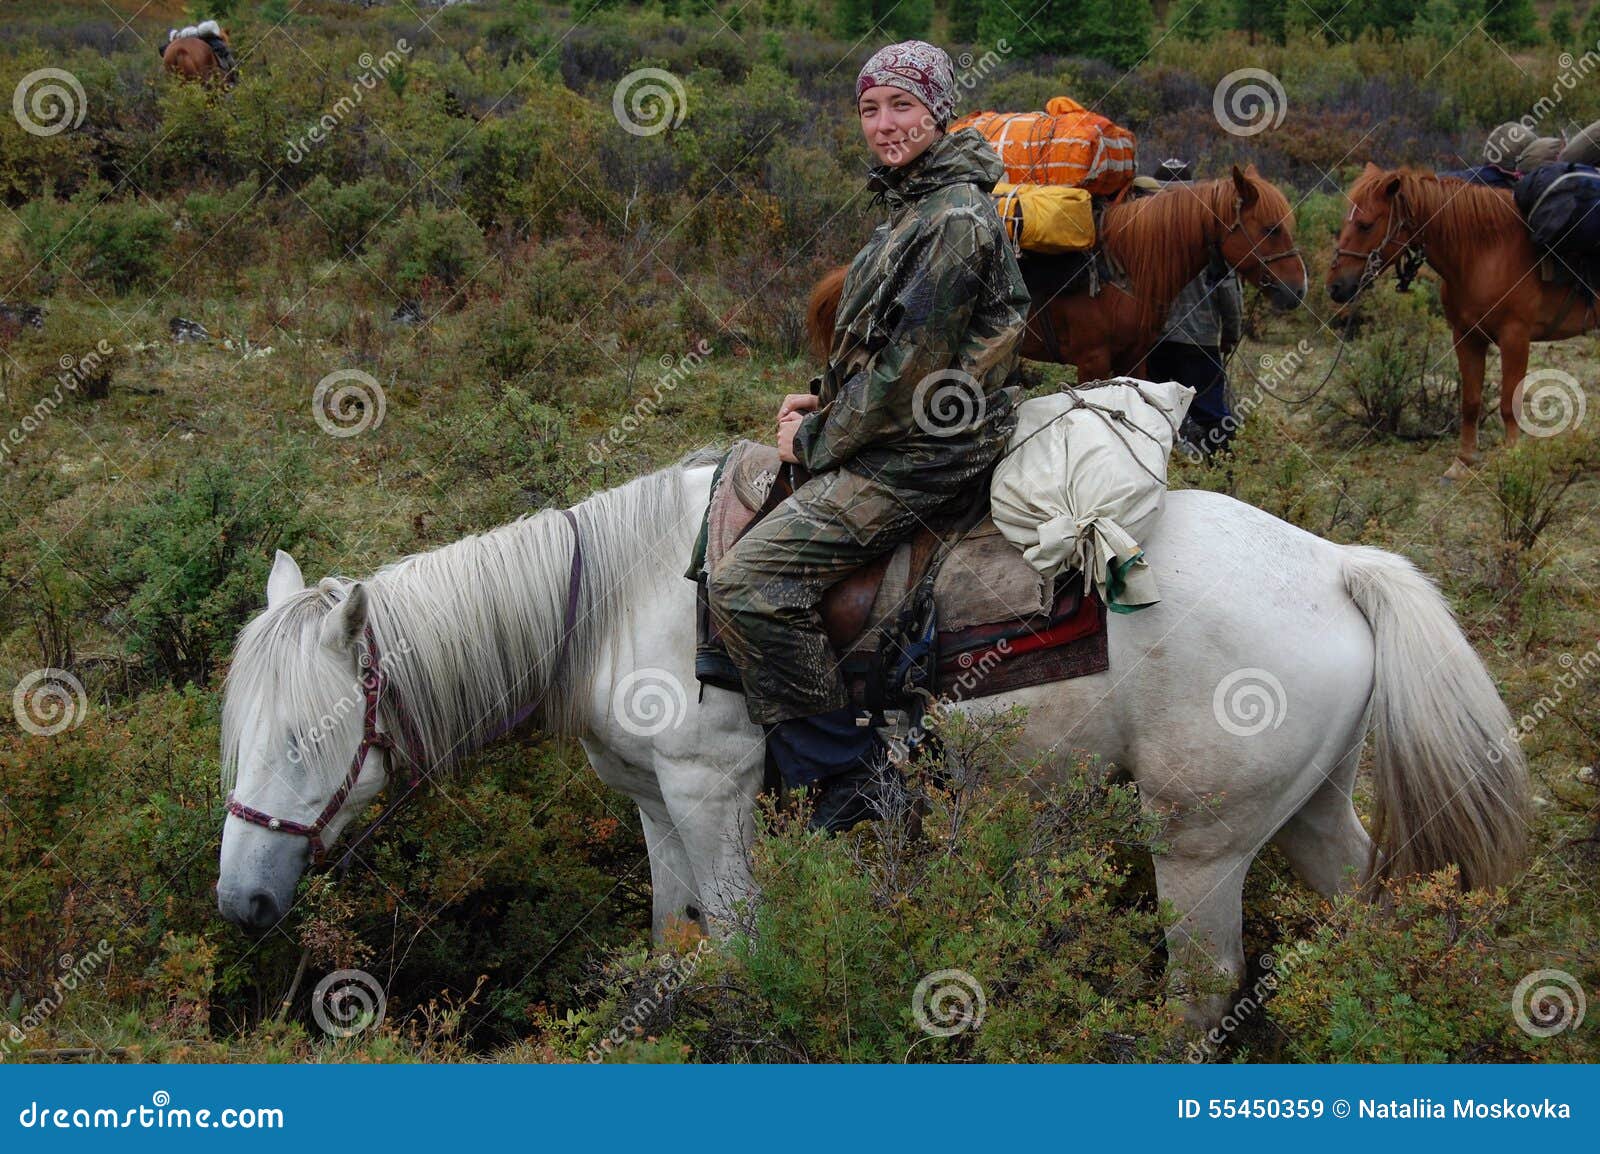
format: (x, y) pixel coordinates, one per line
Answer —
(468, 632)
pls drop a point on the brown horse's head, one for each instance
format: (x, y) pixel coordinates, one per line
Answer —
(1259, 242)
(1375, 232)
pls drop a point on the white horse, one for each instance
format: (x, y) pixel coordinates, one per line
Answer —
(1239, 704)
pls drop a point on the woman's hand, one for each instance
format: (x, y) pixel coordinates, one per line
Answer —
(797, 403)
(788, 426)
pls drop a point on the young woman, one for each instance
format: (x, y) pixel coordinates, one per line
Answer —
(914, 407)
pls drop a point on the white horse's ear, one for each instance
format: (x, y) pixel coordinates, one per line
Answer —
(284, 581)
(341, 627)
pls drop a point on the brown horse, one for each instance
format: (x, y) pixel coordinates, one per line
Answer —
(1162, 243)
(191, 58)
(1474, 238)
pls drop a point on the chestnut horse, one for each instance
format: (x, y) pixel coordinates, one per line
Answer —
(1474, 238)
(1161, 242)
(191, 58)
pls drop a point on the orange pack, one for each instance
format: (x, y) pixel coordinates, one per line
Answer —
(1064, 144)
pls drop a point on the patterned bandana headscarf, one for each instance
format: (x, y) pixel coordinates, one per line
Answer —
(917, 67)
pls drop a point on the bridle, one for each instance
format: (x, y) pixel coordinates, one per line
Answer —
(1408, 260)
(1266, 278)
(374, 681)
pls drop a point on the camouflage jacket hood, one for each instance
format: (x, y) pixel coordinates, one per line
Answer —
(918, 390)
(963, 157)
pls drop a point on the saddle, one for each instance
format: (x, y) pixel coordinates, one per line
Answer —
(958, 601)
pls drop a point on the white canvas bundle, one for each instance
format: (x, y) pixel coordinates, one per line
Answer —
(1084, 478)
(204, 28)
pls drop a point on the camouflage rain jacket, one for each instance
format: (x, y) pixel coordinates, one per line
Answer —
(916, 393)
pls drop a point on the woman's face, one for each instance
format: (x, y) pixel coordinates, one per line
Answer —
(898, 127)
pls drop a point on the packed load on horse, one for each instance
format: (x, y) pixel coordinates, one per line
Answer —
(1561, 203)
(199, 51)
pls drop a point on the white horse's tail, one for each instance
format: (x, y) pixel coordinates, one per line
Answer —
(1451, 782)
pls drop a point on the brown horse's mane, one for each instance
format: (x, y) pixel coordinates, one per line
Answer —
(1455, 214)
(1144, 235)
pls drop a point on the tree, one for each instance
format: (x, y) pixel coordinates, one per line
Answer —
(1117, 32)
(1560, 26)
(1511, 21)
(905, 20)
(1262, 19)
(1591, 26)
(1197, 19)
(964, 20)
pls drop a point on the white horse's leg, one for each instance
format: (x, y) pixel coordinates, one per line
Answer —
(712, 804)
(1325, 841)
(673, 889)
(675, 897)
(1207, 894)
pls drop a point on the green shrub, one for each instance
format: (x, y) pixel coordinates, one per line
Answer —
(1014, 898)
(347, 214)
(436, 247)
(1423, 981)
(182, 572)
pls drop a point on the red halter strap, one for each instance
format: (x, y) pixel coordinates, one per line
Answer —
(373, 682)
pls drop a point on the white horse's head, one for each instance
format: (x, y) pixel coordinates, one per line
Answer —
(293, 723)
